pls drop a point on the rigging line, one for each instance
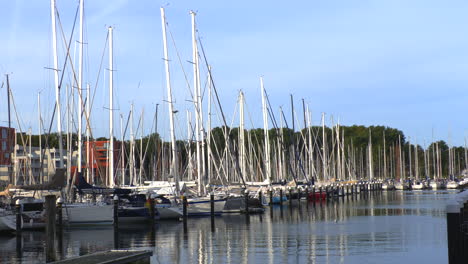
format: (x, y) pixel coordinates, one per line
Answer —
(99, 75)
(221, 110)
(180, 63)
(275, 124)
(59, 86)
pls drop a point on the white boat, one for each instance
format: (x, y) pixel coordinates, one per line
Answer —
(88, 214)
(202, 206)
(168, 211)
(401, 186)
(452, 185)
(436, 185)
(7, 220)
(418, 185)
(388, 186)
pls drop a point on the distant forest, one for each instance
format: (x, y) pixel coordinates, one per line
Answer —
(353, 142)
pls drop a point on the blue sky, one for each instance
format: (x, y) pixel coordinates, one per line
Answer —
(398, 63)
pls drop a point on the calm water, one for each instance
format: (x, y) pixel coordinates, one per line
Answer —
(393, 227)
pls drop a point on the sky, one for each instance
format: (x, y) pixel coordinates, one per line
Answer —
(398, 63)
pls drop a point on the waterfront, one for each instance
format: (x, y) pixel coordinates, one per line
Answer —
(379, 227)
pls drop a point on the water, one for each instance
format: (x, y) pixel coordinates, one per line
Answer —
(393, 227)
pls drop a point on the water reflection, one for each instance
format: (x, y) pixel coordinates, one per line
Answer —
(383, 227)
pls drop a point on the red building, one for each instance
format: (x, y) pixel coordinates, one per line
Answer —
(7, 145)
(98, 160)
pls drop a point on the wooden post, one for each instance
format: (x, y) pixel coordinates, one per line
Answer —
(18, 217)
(290, 196)
(270, 191)
(453, 232)
(116, 210)
(320, 192)
(260, 196)
(281, 197)
(184, 207)
(50, 214)
(299, 194)
(152, 209)
(307, 194)
(59, 212)
(246, 196)
(212, 205)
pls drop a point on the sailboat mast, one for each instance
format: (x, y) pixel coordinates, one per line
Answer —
(88, 133)
(40, 134)
(122, 151)
(80, 86)
(56, 79)
(197, 105)
(174, 165)
(241, 134)
(265, 129)
(111, 109)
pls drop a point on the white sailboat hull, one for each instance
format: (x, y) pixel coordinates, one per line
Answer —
(452, 185)
(202, 206)
(82, 214)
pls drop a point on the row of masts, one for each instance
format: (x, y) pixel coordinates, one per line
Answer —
(312, 156)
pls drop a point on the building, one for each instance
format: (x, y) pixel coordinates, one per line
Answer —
(27, 164)
(98, 160)
(7, 143)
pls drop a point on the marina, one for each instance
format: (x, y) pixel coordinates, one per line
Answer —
(192, 165)
(373, 227)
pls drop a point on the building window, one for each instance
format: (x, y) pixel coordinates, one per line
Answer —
(4, 133)
(4, 145)
(7, 155)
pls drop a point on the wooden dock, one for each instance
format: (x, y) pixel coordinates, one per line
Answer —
(111, 256)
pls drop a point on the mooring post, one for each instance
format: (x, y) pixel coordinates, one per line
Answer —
(453, 232)
(50, 215)
(281, 197)
(326, 191)
(152, 209)
(270, 191)
(290, 195)
(320, 192)
(18, 217)
(184, 208)
(299, 194)
(307, 194)
(116, 210)
(59, 212)
(260, 197)
(246, 200)
(212, 205)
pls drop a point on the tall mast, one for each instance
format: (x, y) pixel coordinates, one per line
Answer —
(40, 135)
(189, 150)
(10, 171)
(265, 129)
(56, 79)
(208, 140)
(140, 173)
(111, 110)
(132, 149)
(80, 86)
(174, 165)
(371, 168)
(384, 157)
(197, 103)
(241, 134)
(400, 159)
(88, 133)
(122, 152)
(324, 149)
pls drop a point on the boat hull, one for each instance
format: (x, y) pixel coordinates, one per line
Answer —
(88, 214)
(202, 207)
